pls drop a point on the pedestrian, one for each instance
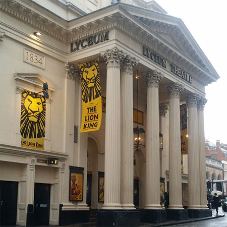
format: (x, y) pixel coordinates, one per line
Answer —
(216, 202)
(166, 195)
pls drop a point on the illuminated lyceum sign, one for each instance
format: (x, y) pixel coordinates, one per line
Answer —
(163, 62)
(89, 41)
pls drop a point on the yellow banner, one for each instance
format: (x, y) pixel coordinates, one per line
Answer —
(183, 128)
(32, 122)
(91, 96)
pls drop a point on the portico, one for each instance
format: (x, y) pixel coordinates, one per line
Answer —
(131, 46)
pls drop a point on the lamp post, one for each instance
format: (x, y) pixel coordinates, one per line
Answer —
(139, 132)
(161, 141)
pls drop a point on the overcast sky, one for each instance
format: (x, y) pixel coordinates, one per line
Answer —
(206, 20)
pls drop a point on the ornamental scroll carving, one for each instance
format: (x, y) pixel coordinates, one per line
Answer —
(192, 100)
(129, 63)
(174, 90)
(153, 78)
(1, 36)
(163, 109)
(32, 164)
(72, 72)
(201, 103)
(62, 167)
(113, 57)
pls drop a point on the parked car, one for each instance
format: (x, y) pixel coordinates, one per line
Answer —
(224, 204)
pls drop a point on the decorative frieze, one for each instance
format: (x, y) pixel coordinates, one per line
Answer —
(174, 90)
(153, 78)
(129, 63)
(113, 57)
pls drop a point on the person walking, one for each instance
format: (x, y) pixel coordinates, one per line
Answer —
(216, 202)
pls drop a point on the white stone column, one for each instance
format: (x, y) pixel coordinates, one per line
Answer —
(193, 154)
(153, 79)
(113, 59)
(175, 186)
(127, 133)
(202, 156)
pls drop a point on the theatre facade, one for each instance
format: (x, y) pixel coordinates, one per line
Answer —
(100, 115)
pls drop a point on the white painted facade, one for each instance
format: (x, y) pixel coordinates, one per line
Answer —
(110, 150)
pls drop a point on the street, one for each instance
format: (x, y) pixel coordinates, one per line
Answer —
(215, 222)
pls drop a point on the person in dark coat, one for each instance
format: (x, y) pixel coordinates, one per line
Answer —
(166, 196)
(216, 202)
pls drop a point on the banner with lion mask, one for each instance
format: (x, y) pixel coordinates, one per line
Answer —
(32, 122)
(91, 96)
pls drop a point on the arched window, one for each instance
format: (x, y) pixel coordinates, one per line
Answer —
(219, 177)
(213, 176)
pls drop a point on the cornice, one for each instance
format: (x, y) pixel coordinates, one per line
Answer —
(19, 151)
(36, 20)
(115, 16)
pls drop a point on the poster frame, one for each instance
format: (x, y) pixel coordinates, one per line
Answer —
(100, 176)
(79, 172)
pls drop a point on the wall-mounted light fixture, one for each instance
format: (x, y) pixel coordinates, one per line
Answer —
(37, 33)
(45, 90)
(139, 132)
(161, 141)
(52, 161)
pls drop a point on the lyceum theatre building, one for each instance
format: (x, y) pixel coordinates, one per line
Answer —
(102, 114)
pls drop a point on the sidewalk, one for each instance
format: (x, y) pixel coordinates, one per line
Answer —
(220, 214)
(93, 224)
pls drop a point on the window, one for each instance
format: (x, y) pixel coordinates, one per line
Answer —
(138, 116)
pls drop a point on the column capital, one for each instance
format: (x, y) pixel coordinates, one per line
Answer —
(192, 100)
(174, 90)
(129, 63)
(163, 109)
(72, 72)
(113, 57)
(153, 78)
(201, 103)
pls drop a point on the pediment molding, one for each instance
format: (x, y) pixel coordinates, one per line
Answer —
(26, 152)
(146, 30)
(32, 82)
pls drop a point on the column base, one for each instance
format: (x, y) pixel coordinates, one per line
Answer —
(177, 215)
(199, 213)
(68, 217)
(153, 216)
(118, 217)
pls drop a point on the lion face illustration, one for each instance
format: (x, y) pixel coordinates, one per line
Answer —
(90, 81)
(33, 109)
